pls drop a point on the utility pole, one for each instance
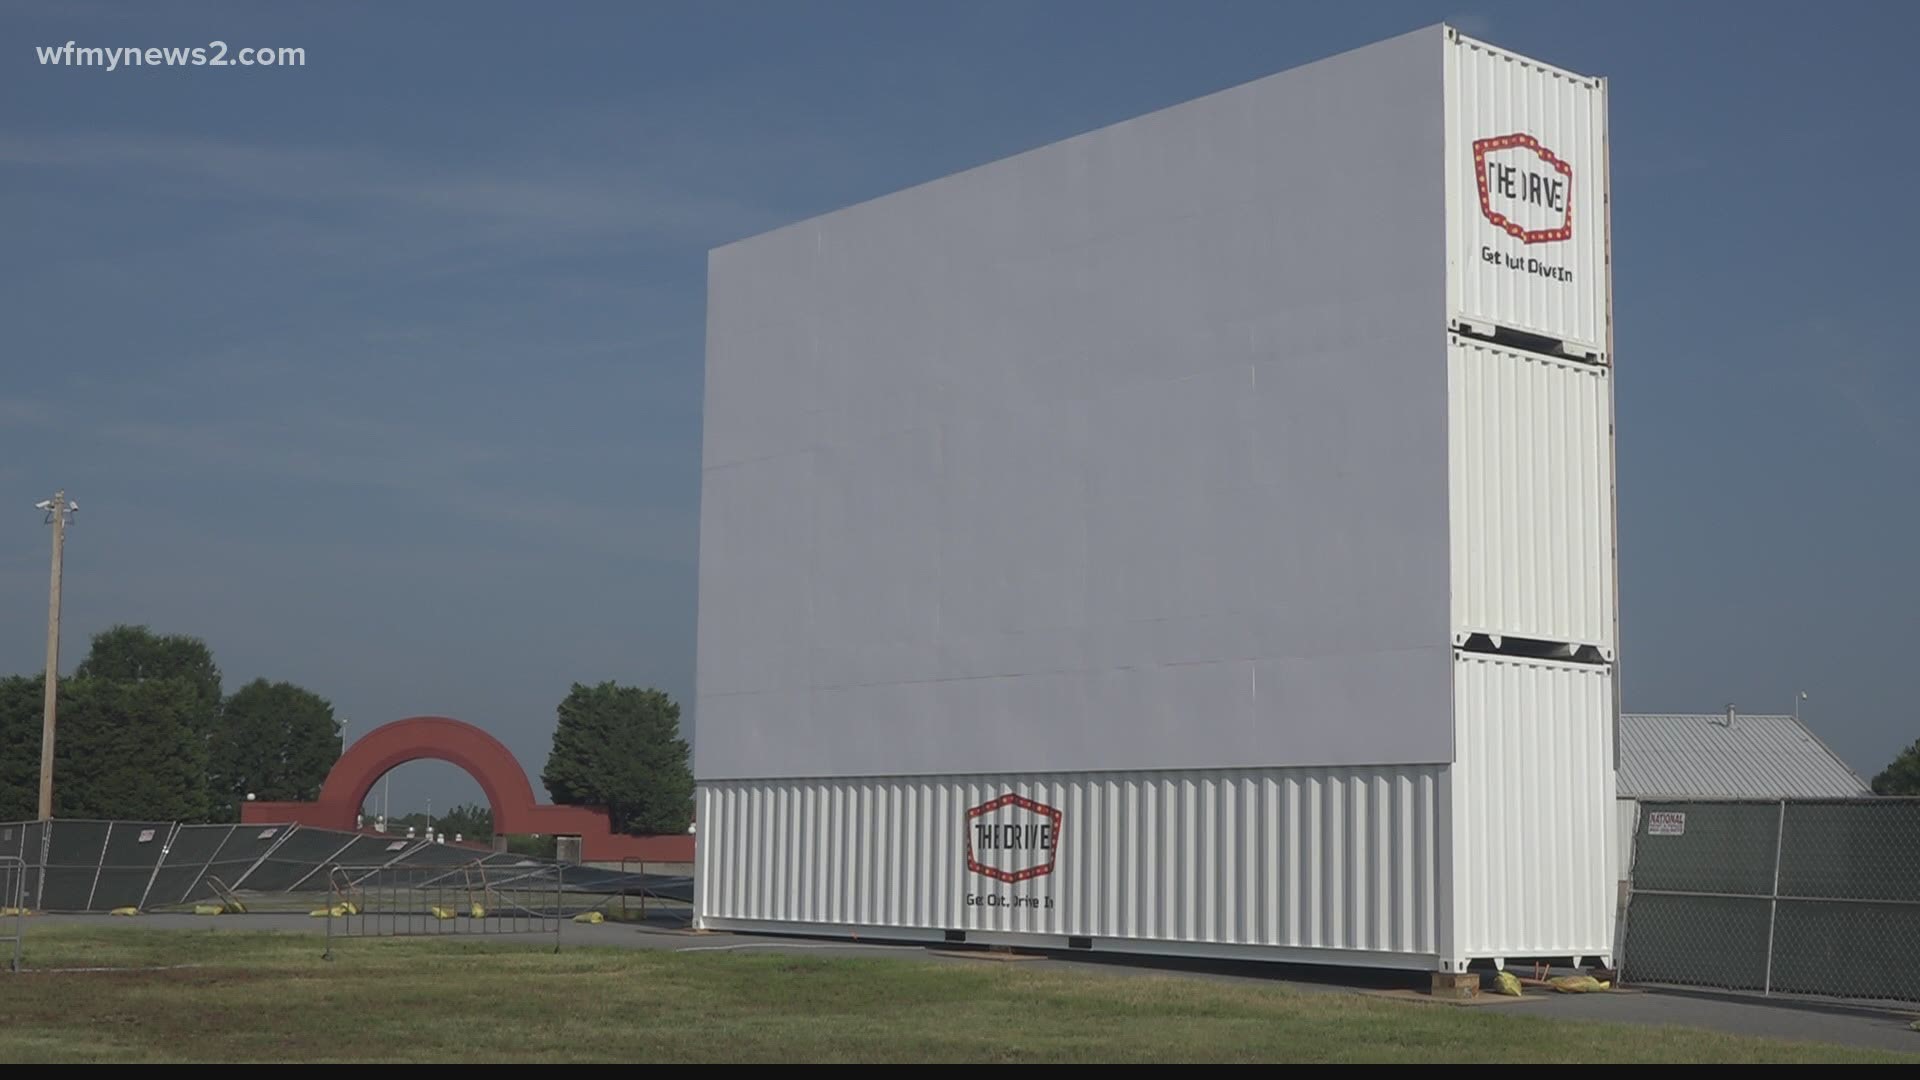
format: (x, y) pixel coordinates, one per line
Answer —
(58, 509)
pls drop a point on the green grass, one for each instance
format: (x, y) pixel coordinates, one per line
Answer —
(269, 997)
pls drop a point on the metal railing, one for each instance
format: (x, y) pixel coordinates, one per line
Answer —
(13, 897)
(389, 900)
(1806, 898)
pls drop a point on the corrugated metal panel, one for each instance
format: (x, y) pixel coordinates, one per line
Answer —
(1526, 143)
(1530, 467)
(1336, 860)
(1533, 799)
(1753, 757)
(1626, 820)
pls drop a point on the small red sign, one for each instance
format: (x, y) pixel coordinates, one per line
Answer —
(1525, 189)
(1012, 838)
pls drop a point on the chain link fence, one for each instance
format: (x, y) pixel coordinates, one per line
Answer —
(21, 840)
(1815, 898)
(13, 875)
(103, 866)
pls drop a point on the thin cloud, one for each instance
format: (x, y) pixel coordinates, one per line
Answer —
(1867, 394)
(436, 471)
(614, 199)
(24, 413)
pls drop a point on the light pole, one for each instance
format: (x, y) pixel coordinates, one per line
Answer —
(58, 510)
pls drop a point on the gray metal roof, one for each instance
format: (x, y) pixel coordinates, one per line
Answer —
(1703, 756)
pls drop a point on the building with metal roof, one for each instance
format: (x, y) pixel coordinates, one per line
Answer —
(1728, 755)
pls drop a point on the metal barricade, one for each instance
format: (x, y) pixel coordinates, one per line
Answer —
(410, 900)
(626, 861)
(13, 897)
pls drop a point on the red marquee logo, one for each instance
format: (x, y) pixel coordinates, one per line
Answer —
(1525, 189)
(1012, 838)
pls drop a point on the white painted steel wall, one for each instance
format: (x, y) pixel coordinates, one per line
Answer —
(1124, 453)
(1341, 860)
(1531, 472)
(1528, 120)
(1533, 804)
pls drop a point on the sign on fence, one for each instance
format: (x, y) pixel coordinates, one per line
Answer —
(1666, 823)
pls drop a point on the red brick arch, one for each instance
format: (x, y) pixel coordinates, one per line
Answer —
(490, 763)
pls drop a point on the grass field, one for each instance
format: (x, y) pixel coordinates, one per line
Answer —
(243, 996)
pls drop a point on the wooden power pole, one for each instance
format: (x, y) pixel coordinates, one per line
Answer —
(57, 509)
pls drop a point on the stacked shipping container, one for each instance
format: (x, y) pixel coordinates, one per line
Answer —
(1532, 492)
(1114, 547)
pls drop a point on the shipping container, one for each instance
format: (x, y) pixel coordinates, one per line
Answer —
(1527, 194)
(1531, 468)
(1136, 544)
(1503, 853)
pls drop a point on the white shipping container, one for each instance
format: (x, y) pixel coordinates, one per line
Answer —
(1533, 791)
(1530, 461)
(1502, 854)
(1527, 193)
(1335, 859)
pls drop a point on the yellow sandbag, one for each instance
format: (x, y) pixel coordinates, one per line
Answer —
(10, 912)
(589, 917)
(337, 911)
(478, 912)
(1576, 984)
(235, 907)
(124, 911)
(440, 912)
(1506, 982)
(208, 909)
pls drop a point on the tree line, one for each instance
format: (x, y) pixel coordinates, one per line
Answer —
(146, 732)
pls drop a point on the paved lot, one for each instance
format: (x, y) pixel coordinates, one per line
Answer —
(1739, 1016)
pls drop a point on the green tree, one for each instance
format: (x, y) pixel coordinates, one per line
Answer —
(467, 821)
(619, 747)
(539, 847)
(20, 702)
(1902, 775)
(136, 654)
(274, 740)
(128, 749)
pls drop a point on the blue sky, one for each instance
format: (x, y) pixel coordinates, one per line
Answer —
(382, 374)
